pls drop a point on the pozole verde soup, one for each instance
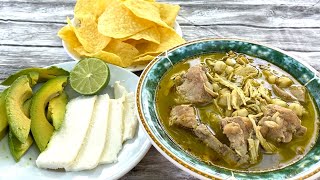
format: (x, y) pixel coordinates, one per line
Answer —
(236, 111)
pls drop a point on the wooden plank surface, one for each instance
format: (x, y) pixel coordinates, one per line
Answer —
(45, 34)
(254, 13)
(28, 38)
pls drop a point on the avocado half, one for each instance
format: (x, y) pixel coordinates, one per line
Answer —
(17, 94)
(40, 127)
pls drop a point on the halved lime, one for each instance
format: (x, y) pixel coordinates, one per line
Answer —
(89, 76)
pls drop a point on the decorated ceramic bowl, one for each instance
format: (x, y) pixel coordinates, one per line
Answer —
(306, 167)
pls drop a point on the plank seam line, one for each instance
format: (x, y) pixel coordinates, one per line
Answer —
(182, 24)
(248, 25)
(57, 46)
(28, 21)
(28, 45)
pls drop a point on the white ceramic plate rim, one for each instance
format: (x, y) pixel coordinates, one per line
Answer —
(118, 169)
(135, 68)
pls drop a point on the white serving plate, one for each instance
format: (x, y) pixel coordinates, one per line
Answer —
(130, 155)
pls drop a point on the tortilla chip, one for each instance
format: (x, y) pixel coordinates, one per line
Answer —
(143, 60)
(150, 34)
(69, 37)
(145, 10)
(94, 7)
(86, 30)
(117, 22)
(145, 54)
(168, 12)
(124, 50)
(103, 55)
(134, 42)
(168, 40)
(110, 58)
(121, 32)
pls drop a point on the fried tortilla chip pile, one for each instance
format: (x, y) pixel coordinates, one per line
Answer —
(121, 32)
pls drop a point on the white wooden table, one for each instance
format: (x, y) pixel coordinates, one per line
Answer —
(28, 37)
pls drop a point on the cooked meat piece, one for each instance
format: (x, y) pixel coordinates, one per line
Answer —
(238, 130)
(192, 89)
(244, 123)
(299, 92)
(282, 93)
(280, 124)
(236, 138)
(226, 152)
(183, 115)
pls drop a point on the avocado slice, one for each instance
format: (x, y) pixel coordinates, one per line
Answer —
(40, 127)
(26, 108)
(17, 148)
(3, 114)
(57, 109)
(33, 77)
(44, 74)
(18, 93)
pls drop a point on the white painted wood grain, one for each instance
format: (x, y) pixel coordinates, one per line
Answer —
(291, 39)
(259, 13)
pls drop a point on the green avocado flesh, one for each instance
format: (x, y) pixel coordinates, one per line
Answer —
(57, 109)
(40, 127)
(26, 108)
(18, 93)
(3, 114)
(44, 74)
(34, 77)
(17, 148)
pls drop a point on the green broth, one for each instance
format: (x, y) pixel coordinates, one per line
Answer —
(208, 115)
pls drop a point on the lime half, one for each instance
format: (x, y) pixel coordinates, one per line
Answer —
(89, 76)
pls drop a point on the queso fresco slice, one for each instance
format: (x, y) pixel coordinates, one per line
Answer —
(130, 121)
(93, 145)
(65, 143)
(114, 132)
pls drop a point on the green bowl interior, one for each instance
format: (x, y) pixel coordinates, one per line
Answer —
(166, 60)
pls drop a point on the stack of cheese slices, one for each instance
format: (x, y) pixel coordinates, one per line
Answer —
(92, 133)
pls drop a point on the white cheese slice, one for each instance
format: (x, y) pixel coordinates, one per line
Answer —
(119, 91)
(93, 146)
(129, 117)
(65, 143)
(114, 132)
